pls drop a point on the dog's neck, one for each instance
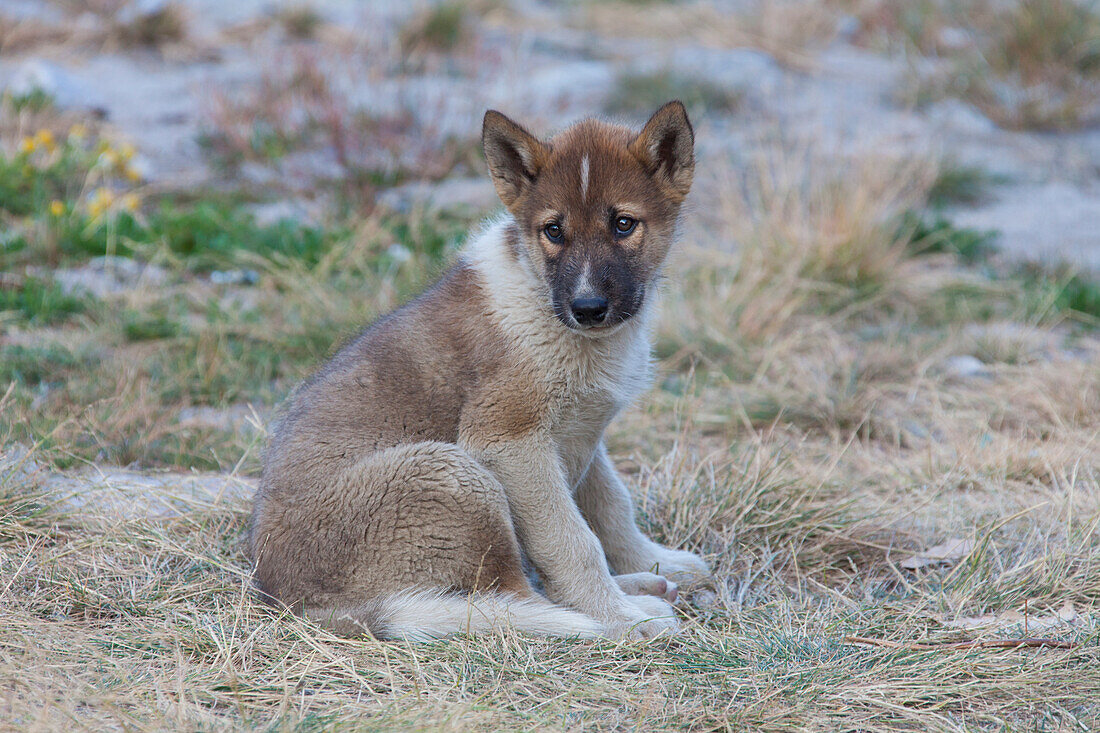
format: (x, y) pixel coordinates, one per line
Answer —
(520, 301)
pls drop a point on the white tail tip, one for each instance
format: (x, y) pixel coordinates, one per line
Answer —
(420, 615)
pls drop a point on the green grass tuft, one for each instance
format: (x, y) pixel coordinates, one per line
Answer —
(300, 22)
(36, 100)
(1063, 289)
(930, 234)
(153, 28)
(34, 365)
(443, 28)
(146, 326)
(38, 302)
(960, 184)
(640, 94)
(209, 234)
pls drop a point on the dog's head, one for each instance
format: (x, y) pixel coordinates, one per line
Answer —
(596, 207)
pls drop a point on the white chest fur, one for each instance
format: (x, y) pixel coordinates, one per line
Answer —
(588, 379)
(594, 388)
(616, 366)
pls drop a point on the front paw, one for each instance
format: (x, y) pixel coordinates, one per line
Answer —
(643, 617)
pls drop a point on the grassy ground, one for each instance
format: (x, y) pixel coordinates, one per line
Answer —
(1032, 64)
(813, 427)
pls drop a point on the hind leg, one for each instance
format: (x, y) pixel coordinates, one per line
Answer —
(421, 515)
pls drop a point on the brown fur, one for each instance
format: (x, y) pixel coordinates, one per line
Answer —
(444, 437)
(411, 379)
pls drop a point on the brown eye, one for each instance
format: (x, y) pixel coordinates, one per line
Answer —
(553, 232)
(624, 225)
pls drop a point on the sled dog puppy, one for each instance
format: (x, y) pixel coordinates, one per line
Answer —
(412, 478)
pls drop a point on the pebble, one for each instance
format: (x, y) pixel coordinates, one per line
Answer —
(964, 366)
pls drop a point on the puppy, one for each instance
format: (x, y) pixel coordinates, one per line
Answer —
(413, 474)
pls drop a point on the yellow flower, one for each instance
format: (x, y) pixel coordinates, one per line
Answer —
(27, 145)
(126, 151)
(57, 208)
(78, 132)
(44, 139)
(101, 201)
(131, 201)
(132, 174)
(108, 158)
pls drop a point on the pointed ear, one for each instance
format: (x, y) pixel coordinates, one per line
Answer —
(514, 155)
(666, 147)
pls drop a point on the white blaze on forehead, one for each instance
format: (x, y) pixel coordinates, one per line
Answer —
(584, 177)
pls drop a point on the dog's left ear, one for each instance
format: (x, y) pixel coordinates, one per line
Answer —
(666, 147)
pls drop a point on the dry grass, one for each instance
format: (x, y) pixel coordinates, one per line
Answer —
(806, 436)
(1030, 64)
(442, 28)
(106, 26)
(300, 22)
(164, 25)
(788, 30)
(141, 624)
(114, 380)
(805, 235)
(446, 36)
(299, 122)
(20, 35)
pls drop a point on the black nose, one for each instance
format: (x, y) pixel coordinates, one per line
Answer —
(589, 311)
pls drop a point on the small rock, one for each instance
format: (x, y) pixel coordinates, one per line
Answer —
(705, 599)
(234, 277)
(257, 174)
(953, 38)
(138, 9)
(961, 118)
(847, 26)
(65, 88)
(915, 429)
(949, 551)
(276, 211)
(399, 252)
(964, 366)
(110, 275)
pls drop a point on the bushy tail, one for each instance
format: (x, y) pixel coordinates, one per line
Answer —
(419, 615)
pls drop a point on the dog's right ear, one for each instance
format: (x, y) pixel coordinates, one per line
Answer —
(515, 156)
